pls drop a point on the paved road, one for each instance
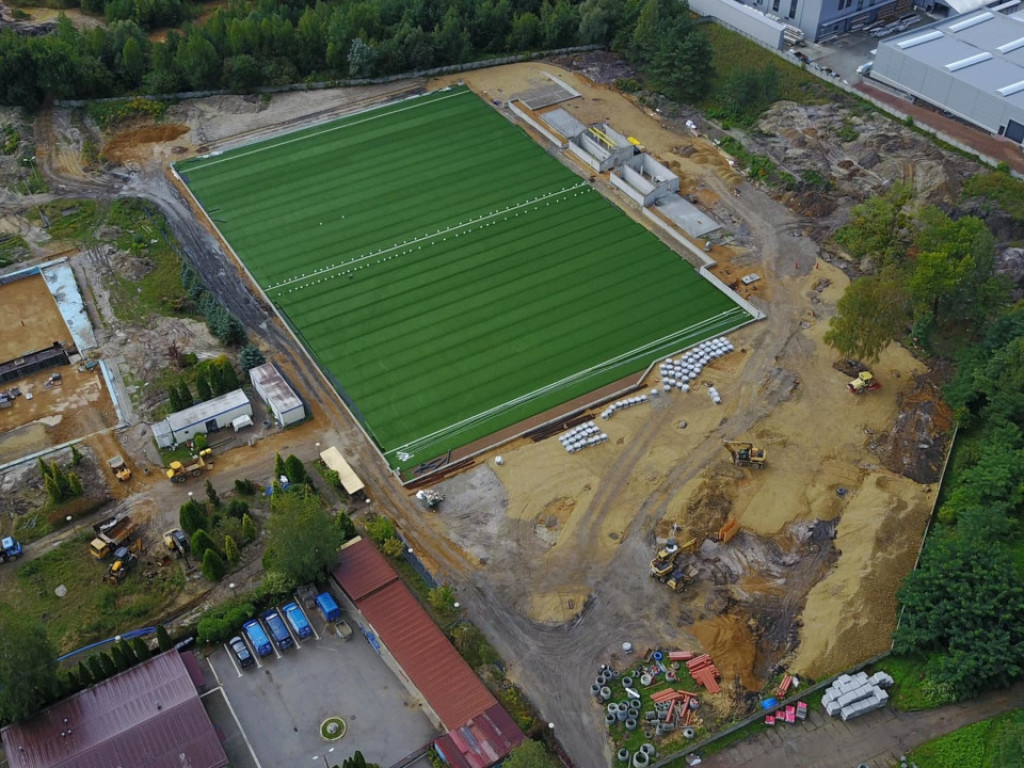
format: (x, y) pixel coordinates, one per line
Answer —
(877, 739)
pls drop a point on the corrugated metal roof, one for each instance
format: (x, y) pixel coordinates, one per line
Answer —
(447, 683)
(363, 570)
(203, 412)
(349, 479)
(273, 386)
(482, 741)
(147, 717)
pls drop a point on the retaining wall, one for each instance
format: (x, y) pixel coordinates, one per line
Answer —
(535, 125)
(747, 21)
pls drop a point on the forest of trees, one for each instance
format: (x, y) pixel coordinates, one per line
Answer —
(245, 45)
(932, 283)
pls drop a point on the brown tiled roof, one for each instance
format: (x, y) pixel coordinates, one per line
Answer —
(447, 683)
(450, 687)
(482, 741)
(363, 569)
(149, 716)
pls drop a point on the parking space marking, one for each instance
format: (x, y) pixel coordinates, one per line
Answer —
(231, 709)
(288, 626)
(231, 658)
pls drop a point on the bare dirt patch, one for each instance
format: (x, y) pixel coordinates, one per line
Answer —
(30, 318)
(134, 144)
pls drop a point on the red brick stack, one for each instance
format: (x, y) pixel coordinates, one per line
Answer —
(703, 670)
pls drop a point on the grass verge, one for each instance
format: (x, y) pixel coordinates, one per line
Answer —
(993, 743)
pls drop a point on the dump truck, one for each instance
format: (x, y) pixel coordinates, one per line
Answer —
(664, 561)
(177, 542)
(865, 382)
(124, 561)
(746, 455)
(110, 534)
(179, 472)
(10, 549)
(119, 468)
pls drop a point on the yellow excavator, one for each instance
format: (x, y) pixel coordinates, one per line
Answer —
(746, 455)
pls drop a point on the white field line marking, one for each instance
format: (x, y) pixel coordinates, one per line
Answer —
(471, 421)
(424, 238)
(422, 103)
(231, 655)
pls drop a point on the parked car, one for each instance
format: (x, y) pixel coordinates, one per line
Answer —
(241, 652)
(278, 631)
(258, 638)
(297, 620)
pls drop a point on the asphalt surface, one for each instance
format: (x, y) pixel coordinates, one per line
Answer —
(270, 714)
(877, 739)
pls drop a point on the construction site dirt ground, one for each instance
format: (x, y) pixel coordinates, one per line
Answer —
(551, 552)
(30, 318)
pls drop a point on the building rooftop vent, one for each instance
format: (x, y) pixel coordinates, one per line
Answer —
(960, 26)
(970, 61)
(1012, 88)
(925, 38)
(1013, 45)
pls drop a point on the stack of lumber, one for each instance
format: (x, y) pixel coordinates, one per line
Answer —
(703, 670)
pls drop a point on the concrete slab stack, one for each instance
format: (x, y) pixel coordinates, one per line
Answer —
(854, 695)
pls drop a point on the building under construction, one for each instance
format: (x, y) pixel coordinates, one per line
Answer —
(30, 362)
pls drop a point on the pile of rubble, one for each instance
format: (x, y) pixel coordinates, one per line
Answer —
(854, 695)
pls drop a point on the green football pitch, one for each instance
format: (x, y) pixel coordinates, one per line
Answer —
(450, 277)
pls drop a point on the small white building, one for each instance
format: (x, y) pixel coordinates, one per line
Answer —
(205, 417)
(270, 385)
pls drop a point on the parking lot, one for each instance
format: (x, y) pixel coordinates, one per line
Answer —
(270, 714)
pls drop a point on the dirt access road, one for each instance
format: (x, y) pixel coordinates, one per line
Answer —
(550, 552)
(877, 739)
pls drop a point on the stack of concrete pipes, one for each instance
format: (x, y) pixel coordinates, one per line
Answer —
(582, 436)
(677, 373)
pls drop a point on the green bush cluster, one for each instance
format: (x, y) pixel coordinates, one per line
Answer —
(107, 114)
(222, 621)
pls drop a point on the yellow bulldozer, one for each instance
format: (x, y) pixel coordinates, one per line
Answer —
(746, 455)
(179, 473)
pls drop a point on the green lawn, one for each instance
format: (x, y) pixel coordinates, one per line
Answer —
(994, 743)
(449, 275)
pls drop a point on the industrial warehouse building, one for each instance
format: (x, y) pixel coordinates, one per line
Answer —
(208, 416)
(971, 66)
(284, 404)
(150, 715)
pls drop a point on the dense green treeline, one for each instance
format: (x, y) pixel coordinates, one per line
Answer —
(933, 281)
(248, 44)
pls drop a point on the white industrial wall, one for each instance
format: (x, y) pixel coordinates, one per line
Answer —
(223, 421)
(744, 20)
(940, 88)
(295, 415)
(630, 191)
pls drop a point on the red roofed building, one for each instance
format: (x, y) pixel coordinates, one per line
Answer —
(150, 715)
(480, 731)
(482, 741)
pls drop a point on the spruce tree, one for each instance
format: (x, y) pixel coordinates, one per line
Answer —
(163, 638)
(74, 485)
(249, 531)
(203, 389)
(201, 542)
(107, 664)
(142, 651)
(76, 456)
(213, 566)
(186, 395)
(231, 551)
(211, 494)
(84, 674)
(95, 664)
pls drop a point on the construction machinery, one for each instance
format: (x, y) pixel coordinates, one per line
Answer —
(111, 534)
(865, 382)
(746, 455)
(179, 473)
(177, 542)
(124, 561)
(10, 549)
(429, 498)
(664, 561)
(681, 577)
(119, 468)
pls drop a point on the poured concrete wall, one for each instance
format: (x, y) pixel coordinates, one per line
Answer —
(746, 21)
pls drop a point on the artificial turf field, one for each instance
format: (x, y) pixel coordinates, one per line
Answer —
(451, 277)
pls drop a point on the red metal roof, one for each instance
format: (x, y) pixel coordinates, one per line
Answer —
(450, 687)
(147, 716)
(363, 569)
(482, 741)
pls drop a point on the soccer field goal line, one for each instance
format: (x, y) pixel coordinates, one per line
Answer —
(303, 281)
(645, 350)
(383, 114)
